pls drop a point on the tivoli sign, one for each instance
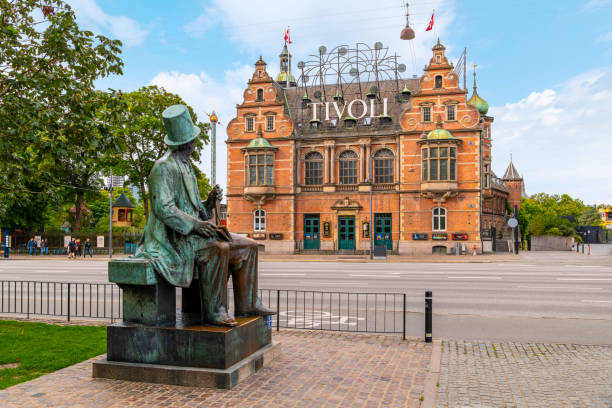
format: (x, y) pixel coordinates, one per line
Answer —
(365, 109)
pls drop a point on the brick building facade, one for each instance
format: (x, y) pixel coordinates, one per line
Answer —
(303, 166)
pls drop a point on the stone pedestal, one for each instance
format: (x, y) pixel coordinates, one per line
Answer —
(188, 343)
(187, 353)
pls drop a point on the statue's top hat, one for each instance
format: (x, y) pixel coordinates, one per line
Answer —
(179, 126)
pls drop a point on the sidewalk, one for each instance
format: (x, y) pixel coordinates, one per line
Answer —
(330, 369)
(316, 369)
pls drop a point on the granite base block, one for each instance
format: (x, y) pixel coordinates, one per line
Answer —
(188, 343)
(188, 376)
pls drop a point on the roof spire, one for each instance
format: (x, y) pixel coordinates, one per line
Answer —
(475, 66)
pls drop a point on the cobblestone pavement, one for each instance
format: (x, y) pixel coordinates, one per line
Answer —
(483, 374)
(316, 369)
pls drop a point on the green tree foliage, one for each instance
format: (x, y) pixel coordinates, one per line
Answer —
(54, 125)
(141, 131)
(590, 216)
(544, 214)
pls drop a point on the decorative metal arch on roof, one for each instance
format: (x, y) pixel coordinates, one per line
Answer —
(343, 69)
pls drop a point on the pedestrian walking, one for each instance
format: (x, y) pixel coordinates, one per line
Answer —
(88, 248)
(31, 245)
(43, 247)
(71, 249)
(79, 248)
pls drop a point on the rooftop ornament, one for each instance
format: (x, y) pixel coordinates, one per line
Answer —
(407, 32)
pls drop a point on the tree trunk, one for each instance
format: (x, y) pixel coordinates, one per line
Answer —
(145, 199)
(77, 214)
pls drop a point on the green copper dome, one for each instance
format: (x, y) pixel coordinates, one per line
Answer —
(282, 77)
(259, 143)
(479, 103)
(438, 134)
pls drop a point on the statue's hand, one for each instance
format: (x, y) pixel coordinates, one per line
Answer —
(206, 229)
(216, 194)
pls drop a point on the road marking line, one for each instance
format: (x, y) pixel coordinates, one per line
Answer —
(474, 277)
(584, 279)
(395, 273)
(282, 274)
(597, 301)
(558, 287)
(333, 283)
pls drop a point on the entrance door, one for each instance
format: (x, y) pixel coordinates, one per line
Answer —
(382, 230)
(346, 233)
(312, 234)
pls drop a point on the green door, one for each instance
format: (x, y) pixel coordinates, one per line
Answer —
(382, 230)
(346, 233)
(312, 234)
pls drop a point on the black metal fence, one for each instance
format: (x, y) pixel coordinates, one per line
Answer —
(61, 299)
(296, 309)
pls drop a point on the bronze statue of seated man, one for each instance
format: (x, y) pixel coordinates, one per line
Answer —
(183, 244)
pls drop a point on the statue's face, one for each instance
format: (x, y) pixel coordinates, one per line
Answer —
(187, 148)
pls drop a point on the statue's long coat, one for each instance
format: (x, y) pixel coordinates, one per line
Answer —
(169, 238)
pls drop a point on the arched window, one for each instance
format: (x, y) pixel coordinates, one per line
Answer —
(259, 220)
(438, 219)
(348, 167)
(260, 95)
(313, 170)
(383, 166)
(438, 80)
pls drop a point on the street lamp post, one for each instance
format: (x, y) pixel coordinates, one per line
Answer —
(110, 216)
(371, 222)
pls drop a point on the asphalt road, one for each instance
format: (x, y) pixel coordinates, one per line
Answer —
(540, 297)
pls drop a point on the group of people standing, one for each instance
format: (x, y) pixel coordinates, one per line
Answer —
(34, 246)
(75, 248)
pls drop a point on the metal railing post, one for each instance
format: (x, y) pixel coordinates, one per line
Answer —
(278, 310)
(404, 319)
(68, 302)
(428, 305)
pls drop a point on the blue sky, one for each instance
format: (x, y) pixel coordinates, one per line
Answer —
(545, 67)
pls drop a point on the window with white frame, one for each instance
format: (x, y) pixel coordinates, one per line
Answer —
(438, 219)
(259, 220)
(250, 124)
(450, 112)
(426, 113)
(269, 123)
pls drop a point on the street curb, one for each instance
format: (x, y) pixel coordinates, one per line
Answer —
(430, 389)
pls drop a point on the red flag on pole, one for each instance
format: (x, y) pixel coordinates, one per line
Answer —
(431, 22)
(287, 37)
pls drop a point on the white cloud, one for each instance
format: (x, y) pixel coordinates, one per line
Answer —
(559, 138)
(605, 37)
(204, 94)
(258, 29)
(123, 28)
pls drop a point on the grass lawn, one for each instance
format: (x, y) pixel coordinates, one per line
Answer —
(41, 348)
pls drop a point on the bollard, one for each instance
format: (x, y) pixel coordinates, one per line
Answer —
(428, 306)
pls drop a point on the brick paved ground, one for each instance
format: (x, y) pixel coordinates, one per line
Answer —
(316, 369)
(483, 374)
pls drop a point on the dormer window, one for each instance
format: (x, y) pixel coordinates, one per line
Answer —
(259, 74)
(250, 124)
(450, 112)
(260, 95)
(438, 82)
(438, 59)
